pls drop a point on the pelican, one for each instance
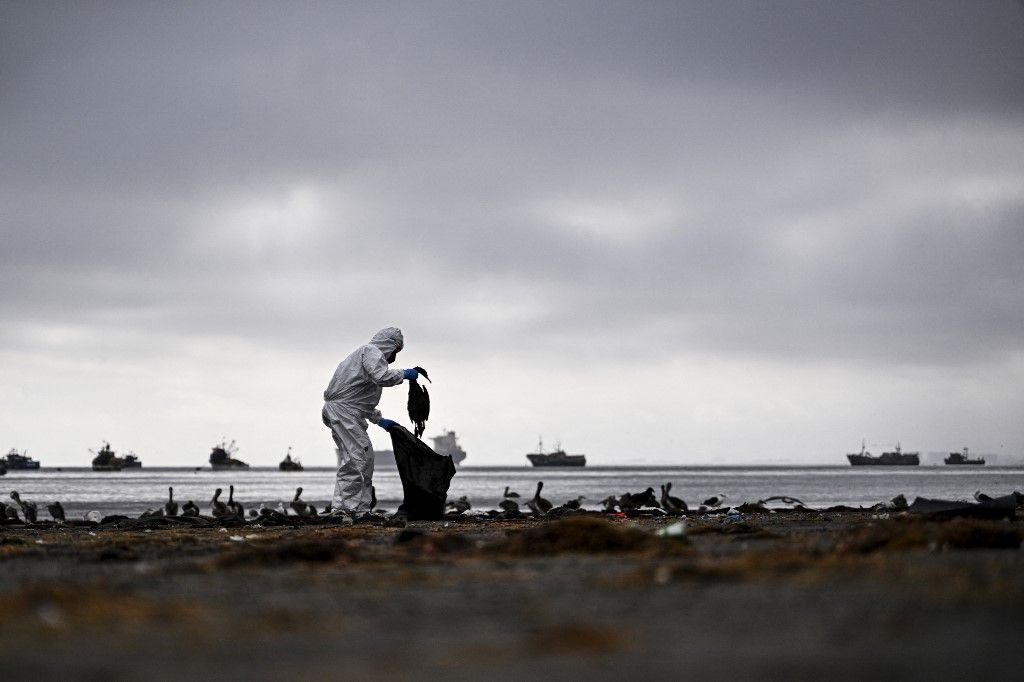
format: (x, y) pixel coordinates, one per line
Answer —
(170, 507)
(978, 495)
(509, 494)
(56, 511)
(234, 507)
(459, 506)
(539, 503)
(190, 508)
(28, 509)
(670, 503)
(610, 504)
(300, 507)
(510, 507)
(217, 507)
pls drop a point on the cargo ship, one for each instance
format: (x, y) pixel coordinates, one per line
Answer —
(289, 464)
(19, 461)
(895, 458)
(445, 444)
(555, 458)
(107, 460)
(222, 457)
(963, 458)
(131, 461)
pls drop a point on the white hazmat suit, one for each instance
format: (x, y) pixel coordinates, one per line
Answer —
(349, 401)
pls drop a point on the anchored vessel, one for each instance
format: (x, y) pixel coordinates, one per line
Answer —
(107, 460)
(221, 457)
(289, 464)
(445, 444)
(131, 461)
(895, 458)
(15, 461)
(555, 458)
(963, 458)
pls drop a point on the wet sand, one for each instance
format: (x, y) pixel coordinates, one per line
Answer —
(776, 596)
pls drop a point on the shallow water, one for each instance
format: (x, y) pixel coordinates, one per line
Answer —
(81, 490)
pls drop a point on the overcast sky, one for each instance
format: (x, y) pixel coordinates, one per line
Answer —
(694, 233)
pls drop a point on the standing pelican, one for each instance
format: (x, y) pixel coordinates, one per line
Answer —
(170, 507)
(217, 507)
(28, 509)
(538, 504)
(234, 507)
(56, 511)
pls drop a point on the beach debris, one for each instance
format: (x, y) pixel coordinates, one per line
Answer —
(234, 508)
(190, 509)
(28, 509)
(676, 530)
(981, 497)
(1004, 507)
(151, 513)
(418, 403)
(93, 516)
(673, 505)
(509, 493)
(218, 508)
(170, 507)
(784, 499)
(750, 508)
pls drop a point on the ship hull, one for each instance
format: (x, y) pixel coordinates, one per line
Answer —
(229, 467)
(106, 467)
(538, 460)
(32, 466)
(903, 460)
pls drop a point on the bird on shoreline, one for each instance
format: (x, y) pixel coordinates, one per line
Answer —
(300, 507)
(459, 506)
(234, 508)
(539, 505)
(509, 494)
(610, 504)
(190, 508)
(170, 507)
(218, 508)
(28, 509)
(637, 500)
(715, 501)
(56, 510)
(510, 508)
(670, 503)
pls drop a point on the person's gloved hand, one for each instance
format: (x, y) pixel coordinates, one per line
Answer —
(410, 374)
(386, 423)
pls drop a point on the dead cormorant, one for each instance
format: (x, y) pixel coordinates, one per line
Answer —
(419, 403)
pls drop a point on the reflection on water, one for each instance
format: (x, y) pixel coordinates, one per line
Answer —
(134, 491)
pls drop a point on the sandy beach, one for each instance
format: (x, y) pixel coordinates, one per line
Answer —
(773, 596)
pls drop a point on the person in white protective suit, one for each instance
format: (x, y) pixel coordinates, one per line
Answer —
(349, 402)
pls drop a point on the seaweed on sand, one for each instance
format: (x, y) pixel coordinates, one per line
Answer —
(578, 534)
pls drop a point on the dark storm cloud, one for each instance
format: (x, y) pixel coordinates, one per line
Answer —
(732, 176)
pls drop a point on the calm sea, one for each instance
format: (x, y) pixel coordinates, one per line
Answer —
(131, 492)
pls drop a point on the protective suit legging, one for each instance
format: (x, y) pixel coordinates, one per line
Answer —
(355, 464)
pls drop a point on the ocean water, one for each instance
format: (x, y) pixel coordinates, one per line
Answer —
(131, 492)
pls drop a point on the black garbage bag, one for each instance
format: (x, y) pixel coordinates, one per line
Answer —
(425, 475)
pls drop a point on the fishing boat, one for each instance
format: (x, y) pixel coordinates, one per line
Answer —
(445, 444)
(895, 458)
(555, 458)
(964, 458)
(19, 461)
(222, 457)
(289, 464)
(131, 461)
(107, 460)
